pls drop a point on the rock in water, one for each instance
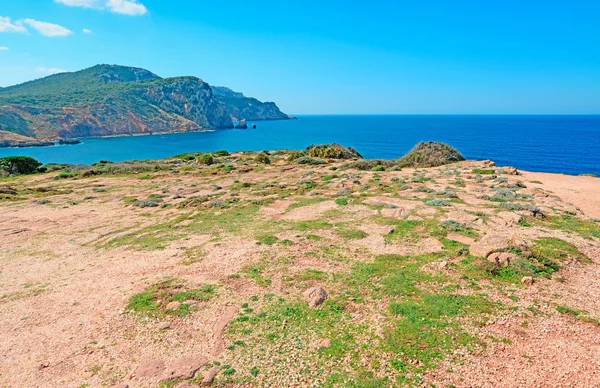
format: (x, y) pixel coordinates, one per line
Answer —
(242, 124)
(315, 296)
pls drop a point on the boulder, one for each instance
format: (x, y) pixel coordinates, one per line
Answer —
(460, 238)
(527, 280)
(150, 369)
(184, 368)
(315, 296)
(488, 245)
(210, 376)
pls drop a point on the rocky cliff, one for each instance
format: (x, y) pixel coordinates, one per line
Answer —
(108, 100)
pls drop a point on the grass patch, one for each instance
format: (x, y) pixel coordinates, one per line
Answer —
(153, 301)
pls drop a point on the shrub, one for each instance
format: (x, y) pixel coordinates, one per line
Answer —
(310, 161)
(221, 153)
(295, 155)
(368, 165)
(145, 203)
(262, 158)
(206, 159)
(437, 202)
(332, 151)
(19, 164)
(430, 154)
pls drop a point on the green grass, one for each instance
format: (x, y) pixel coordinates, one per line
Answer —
(423, 324)
(351, 233)
(153, 301)
(569, 223)
(483, 172)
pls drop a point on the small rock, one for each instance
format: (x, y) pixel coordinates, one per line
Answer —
(210, 376)
(316, 296)
(432, 245)
(164, 325)
(527, 280)
(325, 343)
(518, 242)
(173, 306)
(460, 238)
(443, 265)
(150, 369)
(184, 368)
(87, 375)
(122, 385)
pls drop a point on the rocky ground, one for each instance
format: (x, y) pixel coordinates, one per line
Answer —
(241, 273)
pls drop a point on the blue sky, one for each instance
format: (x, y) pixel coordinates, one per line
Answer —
(430, 56)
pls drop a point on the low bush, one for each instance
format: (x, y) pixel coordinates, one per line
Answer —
(262, 158)
(332, 151)
(19, 165)
(430, 154)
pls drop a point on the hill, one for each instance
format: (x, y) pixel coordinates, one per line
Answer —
(107, 100)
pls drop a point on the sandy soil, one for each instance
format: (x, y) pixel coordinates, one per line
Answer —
(63, 290)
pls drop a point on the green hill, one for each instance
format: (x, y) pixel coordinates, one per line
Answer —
(115, 100)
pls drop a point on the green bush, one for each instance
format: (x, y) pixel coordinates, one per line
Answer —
(310, 161)
(19, 165)
(295, 155)
(262, 158)
(430, 154)
(332, 151)
(221, 153)
(206, 159)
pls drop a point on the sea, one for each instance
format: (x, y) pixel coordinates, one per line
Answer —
(568, 144)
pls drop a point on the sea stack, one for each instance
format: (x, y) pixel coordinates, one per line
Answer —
(242, 124)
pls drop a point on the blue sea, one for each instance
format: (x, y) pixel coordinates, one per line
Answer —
(565, 144)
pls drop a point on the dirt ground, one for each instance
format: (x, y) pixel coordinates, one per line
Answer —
(75, 251)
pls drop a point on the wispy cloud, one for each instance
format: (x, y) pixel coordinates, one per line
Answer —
(2, 48)
(50, 70)
(7, 26)
(48, 29)
(86, 31)
(81, 3)
(124, 7)
(127, 7)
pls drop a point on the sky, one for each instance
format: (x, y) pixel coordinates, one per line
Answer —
(329, 57)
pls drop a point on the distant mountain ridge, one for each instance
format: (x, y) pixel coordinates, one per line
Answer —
(108, 100)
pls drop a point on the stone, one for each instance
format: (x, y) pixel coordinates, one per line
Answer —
(432, 245)
(527, 280)
(510, 218)
(173, 306)
(210, 376)
(325, 343)
(315, 296)
(488, 163)
(518, 242)
(488, 245)
(184, 368)
(443, 265)
(460, 238)
(393, 212)
(150, 369)
(164, 325)
(122, 385)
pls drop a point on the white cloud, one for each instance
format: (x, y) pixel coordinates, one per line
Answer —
(2, 48)
(50, 70)
(48, 29)
(7, 26)
(86, 31)
(126, 7)
(81, 3)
